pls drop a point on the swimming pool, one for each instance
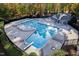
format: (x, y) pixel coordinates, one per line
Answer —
(41, 34)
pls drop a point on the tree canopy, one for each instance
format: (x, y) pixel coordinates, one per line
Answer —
(16, 10)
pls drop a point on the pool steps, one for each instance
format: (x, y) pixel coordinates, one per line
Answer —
(28, 45)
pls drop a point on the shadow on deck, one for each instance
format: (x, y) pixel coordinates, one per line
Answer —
(70, 49)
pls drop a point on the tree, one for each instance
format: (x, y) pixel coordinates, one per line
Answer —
(3, 11)
(58, 53)
(32, 54)
(75, 8)
(16, 10)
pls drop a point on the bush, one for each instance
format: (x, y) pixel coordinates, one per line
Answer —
(32, 54)
(1, 19)
(58, 53)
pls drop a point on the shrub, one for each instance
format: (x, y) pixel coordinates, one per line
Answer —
(32, 54)
(58, 53)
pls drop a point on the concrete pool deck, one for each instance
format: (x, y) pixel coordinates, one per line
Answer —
(17, 36)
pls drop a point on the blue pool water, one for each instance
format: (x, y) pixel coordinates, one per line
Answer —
(39, 37)
(38, 41)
